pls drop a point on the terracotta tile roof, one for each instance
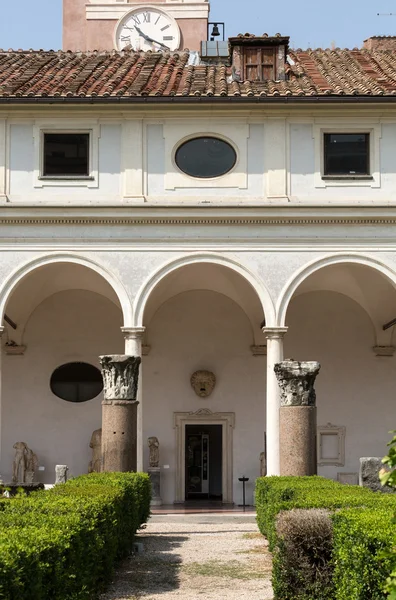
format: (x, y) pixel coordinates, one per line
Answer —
(129, 74)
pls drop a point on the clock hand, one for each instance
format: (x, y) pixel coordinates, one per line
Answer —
(149, 39)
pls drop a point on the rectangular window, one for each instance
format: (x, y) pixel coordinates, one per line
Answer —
(66, 155)
(346, 154)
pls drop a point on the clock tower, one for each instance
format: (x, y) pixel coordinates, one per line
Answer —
(152, 25)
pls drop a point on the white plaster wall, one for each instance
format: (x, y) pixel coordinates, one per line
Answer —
(302, 166)
(21, 168)
(156, 167)
(203, 330)
(75, 325)
(355, 388)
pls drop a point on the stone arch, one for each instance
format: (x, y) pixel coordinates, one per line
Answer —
(12, 281)
(201, 258)
(298, 278)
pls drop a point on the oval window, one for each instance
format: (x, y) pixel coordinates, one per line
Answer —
(205, 157)
(76, 382)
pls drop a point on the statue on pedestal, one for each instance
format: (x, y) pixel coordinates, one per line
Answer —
(153, 445)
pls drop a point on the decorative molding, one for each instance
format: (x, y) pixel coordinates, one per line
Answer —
(182, 221)
(333, 430)
(259, 350)
(14, 350)
(205, 416)
(384, 350)
(275, 333)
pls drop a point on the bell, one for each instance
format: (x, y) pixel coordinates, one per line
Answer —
(215, 31)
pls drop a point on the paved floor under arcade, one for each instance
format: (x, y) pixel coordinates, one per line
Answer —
(190, 553)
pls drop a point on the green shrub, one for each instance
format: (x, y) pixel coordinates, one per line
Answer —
(302, 566)
(372, 534)
(361, 539)
(62, 544)
(275, 494)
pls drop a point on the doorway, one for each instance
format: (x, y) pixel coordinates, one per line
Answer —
(203, 462)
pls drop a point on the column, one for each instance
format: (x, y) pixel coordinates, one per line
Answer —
(133, 347)
(297, 427)
(2, 329)
(274, 337)
(119, 412)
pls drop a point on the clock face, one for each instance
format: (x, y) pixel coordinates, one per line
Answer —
(147, 28)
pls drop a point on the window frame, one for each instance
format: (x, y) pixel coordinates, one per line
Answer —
(337, 431)
(65, 175)
(211, 177)
(234, 133)
(91, 180)
(372, 180)
(352, 176)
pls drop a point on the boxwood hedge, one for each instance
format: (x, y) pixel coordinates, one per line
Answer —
(362, 530)
(63, 543)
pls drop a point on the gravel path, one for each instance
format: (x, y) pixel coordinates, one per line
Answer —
(196, 559)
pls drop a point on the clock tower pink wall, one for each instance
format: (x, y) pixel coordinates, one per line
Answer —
(90, 25)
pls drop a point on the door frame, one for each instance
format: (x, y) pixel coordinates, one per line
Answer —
(204, 416)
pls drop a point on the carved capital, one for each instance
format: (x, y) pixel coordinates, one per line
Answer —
(120, 376)
(274, 333)
(296, 381)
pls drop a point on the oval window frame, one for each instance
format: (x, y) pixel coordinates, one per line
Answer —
(200, 135)
(62, 366)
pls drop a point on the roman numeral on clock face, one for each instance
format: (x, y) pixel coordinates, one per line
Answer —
(168, 38)
(166, 27)
(146, 17)
(124, 38)
(136, 19)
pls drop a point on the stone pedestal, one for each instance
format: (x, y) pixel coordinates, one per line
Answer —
(119, 412)
(155, 478)
(297, 427)
(61, 474)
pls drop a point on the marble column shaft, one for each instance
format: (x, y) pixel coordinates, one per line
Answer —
(133, 347)
(274, 337)
(119, 412)
(297, 425)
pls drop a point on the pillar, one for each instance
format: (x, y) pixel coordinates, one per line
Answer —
(2, 329)
(133, 347)
(274, 337)
(119, 412)
(297, 417)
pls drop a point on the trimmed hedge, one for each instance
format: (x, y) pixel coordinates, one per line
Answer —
(275, 494)
(63, 543)
(360, 566)
(362, 530)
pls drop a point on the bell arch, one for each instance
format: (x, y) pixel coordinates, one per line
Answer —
(152, 282)
(306, 271)
(18, 275)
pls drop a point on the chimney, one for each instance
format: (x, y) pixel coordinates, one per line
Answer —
(380, 42)
(257, 58)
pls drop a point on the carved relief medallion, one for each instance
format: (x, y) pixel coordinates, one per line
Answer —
(203, 383)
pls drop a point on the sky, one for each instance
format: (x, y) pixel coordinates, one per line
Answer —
(309, 23)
